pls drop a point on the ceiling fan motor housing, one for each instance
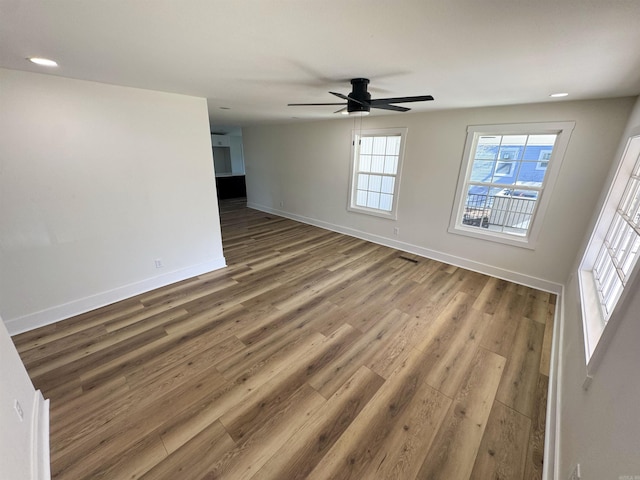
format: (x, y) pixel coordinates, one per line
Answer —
(359, 92)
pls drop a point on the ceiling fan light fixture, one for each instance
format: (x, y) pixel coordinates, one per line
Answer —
(359, 100)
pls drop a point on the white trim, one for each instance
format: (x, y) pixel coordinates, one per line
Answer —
(551, 456)
(510, 275)
(563, 131)
(40, 460)
(82, 305)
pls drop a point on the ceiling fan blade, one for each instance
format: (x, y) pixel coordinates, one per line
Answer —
(351, 99)
(395, 108)
(311, 104)
(341, 110)
(340, 95)
(421, 98)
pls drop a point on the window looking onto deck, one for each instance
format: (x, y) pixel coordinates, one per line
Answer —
(507, 169)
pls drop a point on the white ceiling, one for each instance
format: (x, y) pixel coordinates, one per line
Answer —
(255, 56)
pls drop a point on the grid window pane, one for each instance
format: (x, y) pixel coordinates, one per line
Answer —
(386, 202)
(366, 145)
(361, 198)
(393, 145)
(363, 181)
(508, 165)
(373, 199)
(377, 163)
(387, 185)
(379, 145)
(375, 182)
(365, 163)
(391, 164)
(482, 170)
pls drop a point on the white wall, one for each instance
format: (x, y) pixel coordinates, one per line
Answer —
(96, 183)
(22, 440)
(237, 156)
(600, 427)
(305, 166)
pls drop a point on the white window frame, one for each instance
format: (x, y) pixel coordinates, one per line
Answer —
(599, 326)
(563, 131)
(355, 157)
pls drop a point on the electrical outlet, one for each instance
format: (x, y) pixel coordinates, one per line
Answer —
(281, 203)
(396, 230)
(19, 411)
(575, 473)
(158, 263)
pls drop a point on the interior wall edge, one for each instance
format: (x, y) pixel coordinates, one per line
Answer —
(57, 313)
(40, 467)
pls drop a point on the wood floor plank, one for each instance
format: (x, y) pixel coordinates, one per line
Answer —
(311, 355)
(93, 443)
(545, 356)
(311, 442)
(518, 385)
(409, 441)
(490, 295)
(535, 451)
(195, 458)
(181, 428)
(536, 308)
(328, 380)
(501, 332)
(504, 445)
(454, 451)
(255, 409)
(253, 451)
(351, 455)
(454, 349)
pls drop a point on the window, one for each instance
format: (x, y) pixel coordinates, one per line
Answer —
(504, 169)
(506, 178)
(375, 172)
(608, 266)
(543, 159)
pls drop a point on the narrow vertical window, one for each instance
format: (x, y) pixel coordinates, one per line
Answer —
(375, 171)
(609, 266)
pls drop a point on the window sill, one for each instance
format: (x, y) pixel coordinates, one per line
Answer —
(592, 323)
(374, 213)
(522, 242)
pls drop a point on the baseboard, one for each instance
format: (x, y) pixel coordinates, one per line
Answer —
(86, 304)
(40, 465)
(515, 277)
(551, 459)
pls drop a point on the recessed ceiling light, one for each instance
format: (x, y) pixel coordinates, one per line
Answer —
(45, 62)
(558, 95)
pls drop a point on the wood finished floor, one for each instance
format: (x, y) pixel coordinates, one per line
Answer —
(312, 355)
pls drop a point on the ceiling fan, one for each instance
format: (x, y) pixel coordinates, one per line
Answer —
(359, 101)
